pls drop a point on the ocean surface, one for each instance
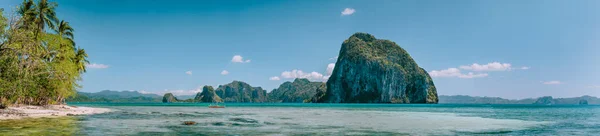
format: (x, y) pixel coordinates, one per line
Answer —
(147, 119)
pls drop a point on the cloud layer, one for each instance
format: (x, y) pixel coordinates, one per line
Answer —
(313, 76)
(188, 72)
(554, 82)
(96, 66)
(494, 66)
(478, 70)
(454, 72)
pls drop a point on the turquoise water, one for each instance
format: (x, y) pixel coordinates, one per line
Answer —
(340, 119)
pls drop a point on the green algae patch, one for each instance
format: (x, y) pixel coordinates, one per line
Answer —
(39, 126)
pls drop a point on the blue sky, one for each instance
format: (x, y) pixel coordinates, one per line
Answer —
(540, 47)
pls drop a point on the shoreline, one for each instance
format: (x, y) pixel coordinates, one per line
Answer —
(49, 111)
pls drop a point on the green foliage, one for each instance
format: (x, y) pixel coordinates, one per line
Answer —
(38, 66)
(208, 94)
(238, 91)
(169, 97)
(301, 90)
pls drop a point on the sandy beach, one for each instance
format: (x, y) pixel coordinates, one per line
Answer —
(28, 111)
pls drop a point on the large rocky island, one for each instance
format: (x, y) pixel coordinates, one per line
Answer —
(370, 70)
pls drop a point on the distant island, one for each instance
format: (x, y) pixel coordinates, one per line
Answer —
(295, 92)
(109, 96)
(545, 100)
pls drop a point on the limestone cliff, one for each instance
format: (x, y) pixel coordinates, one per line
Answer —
(208, 94)
(238, 91)
(301, 90)
(370, 70)
(168, 98)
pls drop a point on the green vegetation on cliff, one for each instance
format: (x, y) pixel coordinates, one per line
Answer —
(238, 91)
(208, 94)
(168, 98)
(370, 70)
(301, 90)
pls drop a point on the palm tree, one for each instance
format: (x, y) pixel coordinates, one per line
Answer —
(46, 15)
(65, 31)
(81, 60)
(27, 12)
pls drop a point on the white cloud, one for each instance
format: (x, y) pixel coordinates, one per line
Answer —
(472, 75)
(239, 59)
(330, 67)
(348, 11)
(454, 72)
(275, 78)
(188, 72)
(224, 72)
(494, 66)
(450, 72)
(334, 58)
(96, 66)
(554, 82)
(314, 76)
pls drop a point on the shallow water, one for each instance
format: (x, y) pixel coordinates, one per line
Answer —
(323, 119)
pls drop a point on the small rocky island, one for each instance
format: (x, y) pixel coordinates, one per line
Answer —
(236, 91)
(208, 94)
(370, 70)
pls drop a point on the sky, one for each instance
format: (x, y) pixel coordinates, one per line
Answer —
(511, 49)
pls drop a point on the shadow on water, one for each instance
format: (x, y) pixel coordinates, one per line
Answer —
(40, 126)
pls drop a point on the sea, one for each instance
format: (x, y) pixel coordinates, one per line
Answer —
(282, 119)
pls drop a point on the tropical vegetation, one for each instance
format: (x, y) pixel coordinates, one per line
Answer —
(40, 63)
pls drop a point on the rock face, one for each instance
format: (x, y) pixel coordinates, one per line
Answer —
(320, 94)
(370, 70)
(208, 94)
(583, 102)
(168, 98)
(301, 90)
(238, 91)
